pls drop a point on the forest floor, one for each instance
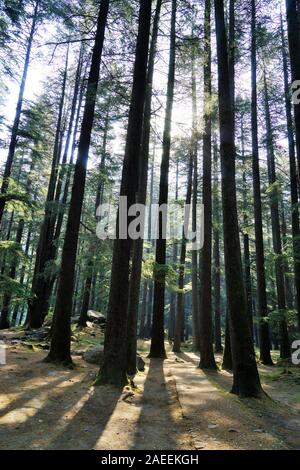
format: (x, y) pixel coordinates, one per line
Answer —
(175, 405)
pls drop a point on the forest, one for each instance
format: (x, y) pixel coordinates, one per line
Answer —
(150, 225)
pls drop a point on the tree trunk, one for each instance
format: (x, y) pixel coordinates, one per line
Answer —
(207, 359)
(265, 346)
(285, 351)
(37, 305)
(246, 243)
(227, 355)
(136, 269)
(195, 270)
(294, 46)
(293, 175)
(16, 124)
(180, 295)
(157, 339)
(216, 254)
(61, 331)
(114, 366)
(246, 378)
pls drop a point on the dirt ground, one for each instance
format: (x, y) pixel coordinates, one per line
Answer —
(175, 406)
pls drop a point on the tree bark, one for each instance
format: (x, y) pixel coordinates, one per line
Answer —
(285, 351)
(180, 295)
(136, 268)
(207, 359)
(195, 270)
(265, 346)
(16, 124)
(37, 306)
(293, 175)
(216, 255)
(61, 331)
(294, 46)
(157, 339)
(246, 378)
(114, 366)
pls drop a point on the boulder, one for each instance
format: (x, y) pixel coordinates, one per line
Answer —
(96, 317)
(94, 355)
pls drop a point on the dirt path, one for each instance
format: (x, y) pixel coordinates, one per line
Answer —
(220, 420)
(175, 406)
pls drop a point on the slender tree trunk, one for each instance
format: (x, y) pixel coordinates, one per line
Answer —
(216, 255)
(86, 296)
(37, 304)
(180, 295)
(173, 304)
(22, 274)
(195, 271)
(136, 269)
(293, 175)
(286, 267)
(114, 366)
(246, 378)
(265, 346)
(61, 331)
(16, 124)
(83, 318)
(207, 359)
(227, 355)
(143, 311)
(148, 326)
(157, 340)
(294, 46)
(246, 242)
(285, 351)
(4, 323)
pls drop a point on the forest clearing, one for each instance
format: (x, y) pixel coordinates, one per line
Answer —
(149, 226)
(174, 406)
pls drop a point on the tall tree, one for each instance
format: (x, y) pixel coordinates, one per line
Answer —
(246, 378)
(16, 124)
(180, 295)
(207, 359)
(136, 269)
(216, 255)
(265, 346)
(114, 366)
(157, 348)
(37, 305)
(61, 331)
(274, 192)
(293, 171)
(194, 150)
(294, 46)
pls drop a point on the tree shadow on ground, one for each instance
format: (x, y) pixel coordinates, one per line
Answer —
(157, 427)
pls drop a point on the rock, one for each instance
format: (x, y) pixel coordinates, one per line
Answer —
(94, 355)
(140, 363)
(37, 335)
(213, 426)
(96, 317)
